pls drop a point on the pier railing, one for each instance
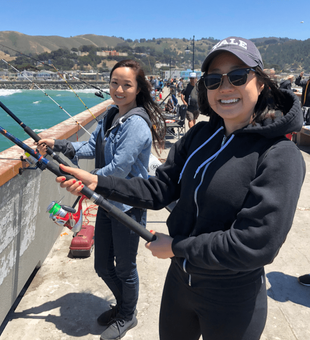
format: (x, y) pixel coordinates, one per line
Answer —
(26, 232)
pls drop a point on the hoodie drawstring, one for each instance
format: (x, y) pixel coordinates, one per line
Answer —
(210, 159)
(202, 145)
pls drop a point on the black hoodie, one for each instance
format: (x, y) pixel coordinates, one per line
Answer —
(236, 196)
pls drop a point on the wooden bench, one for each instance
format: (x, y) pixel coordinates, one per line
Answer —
(303, 136)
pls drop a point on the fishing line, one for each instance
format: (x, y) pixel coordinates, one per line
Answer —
(95, 87)
(151, 165)
(74, 92)
(82, 81)
(52, 66)
(39, 88)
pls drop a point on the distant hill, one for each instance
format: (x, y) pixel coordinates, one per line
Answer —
(283, 54)
(39, 44)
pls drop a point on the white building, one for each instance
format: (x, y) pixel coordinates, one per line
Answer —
(25, 75)
(176, 74)
(47, 75)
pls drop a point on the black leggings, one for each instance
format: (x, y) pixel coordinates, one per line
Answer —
(187, 312)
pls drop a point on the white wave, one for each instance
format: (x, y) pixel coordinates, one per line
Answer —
(4, 93)
(87, 90)
(83, 90)
(37, 102)
(38, 130)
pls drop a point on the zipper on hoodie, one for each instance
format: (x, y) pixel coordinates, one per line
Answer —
(201, 181)
(205, 164)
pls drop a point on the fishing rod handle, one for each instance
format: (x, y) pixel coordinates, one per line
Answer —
(108, 207)
(56, 157)
(49, 150)
(32, 134)
(125, 219)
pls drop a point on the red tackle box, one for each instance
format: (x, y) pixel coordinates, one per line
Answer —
(82, 244)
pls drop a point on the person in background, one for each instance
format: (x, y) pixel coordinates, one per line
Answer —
(236, 198)
(160, 85)
(153, 94)
(153, 82)
(156, 83)
(121, 146)
(305, 84)
(172, 102)
(180, 87)
(272, 74)
(287, 83)
(189, 97)
(160, 88)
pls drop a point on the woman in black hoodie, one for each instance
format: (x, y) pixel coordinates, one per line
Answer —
(236, 180)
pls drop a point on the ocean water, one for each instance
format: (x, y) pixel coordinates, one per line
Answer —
(39, 112)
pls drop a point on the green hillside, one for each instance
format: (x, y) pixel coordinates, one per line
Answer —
(283, 54)
(39, 44)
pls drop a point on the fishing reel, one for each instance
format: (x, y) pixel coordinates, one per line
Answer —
(99, 94)
(67, 216)
(33, 163)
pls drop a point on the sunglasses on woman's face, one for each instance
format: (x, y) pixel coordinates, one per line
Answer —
(237, 77)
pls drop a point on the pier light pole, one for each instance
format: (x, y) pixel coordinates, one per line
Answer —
(188, 50)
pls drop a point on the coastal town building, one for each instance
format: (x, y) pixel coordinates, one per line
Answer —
(111, 53)
(176, 74)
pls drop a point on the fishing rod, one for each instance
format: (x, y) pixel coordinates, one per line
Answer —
(152, 163)
(32, 134)
(53, 100)
(51, 66)
(110, 209)
(70, 218)
(98, 94)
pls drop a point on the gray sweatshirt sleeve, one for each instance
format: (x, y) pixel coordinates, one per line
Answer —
(64, 146)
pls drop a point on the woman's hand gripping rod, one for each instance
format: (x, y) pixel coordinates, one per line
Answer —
(90, 194)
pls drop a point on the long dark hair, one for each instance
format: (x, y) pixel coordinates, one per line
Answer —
(270, 99)
(145, 100)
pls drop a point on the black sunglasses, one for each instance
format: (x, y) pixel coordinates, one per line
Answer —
(237, 77)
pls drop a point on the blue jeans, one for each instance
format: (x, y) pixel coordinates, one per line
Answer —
(115, 258)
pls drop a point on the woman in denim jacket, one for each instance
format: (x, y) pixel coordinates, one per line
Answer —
(121, 146)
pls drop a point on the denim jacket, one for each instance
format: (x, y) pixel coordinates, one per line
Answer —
(127, 148)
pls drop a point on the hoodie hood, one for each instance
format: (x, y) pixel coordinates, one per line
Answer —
(282, 124)
(139, 111)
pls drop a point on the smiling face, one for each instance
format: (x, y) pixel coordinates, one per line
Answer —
(235, 104)
(124, 88)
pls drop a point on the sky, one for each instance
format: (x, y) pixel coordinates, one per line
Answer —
(159, 19)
